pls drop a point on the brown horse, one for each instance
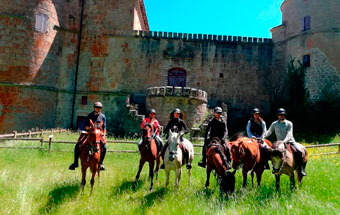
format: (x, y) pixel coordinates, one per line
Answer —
(247, 153)
(217, 160)
(90, 154)
(149, 153)
(284, 163)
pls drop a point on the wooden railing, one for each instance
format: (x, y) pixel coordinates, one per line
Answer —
(50, 142)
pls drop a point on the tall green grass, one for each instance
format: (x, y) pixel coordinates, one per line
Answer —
(39, 182)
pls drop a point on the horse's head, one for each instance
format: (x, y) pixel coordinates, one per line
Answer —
(94, 135)
(236, 150)
(278, 156)
(174, 140)
(228, 182)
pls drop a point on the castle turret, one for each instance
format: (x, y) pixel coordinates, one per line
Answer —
(310, 33)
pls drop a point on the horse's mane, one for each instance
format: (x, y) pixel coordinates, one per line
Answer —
(236, 136)
(148, 125)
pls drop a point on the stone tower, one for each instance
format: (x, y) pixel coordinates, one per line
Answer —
(310, 32)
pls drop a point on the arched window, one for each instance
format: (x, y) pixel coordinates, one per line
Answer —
(177, 77)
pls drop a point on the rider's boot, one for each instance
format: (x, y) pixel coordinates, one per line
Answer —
(163, 153)
(299, 163)
(203, 162)
(102, 156)
(75, 164)
(186, 155)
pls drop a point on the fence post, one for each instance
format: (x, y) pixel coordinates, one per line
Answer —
(50, 142)
(14, 134)
(339, 148)
(42, 142)
(29, 134)
(41, 134)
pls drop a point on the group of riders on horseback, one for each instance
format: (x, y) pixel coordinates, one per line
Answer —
(217, 127)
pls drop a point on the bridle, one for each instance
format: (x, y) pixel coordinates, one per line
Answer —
(282, 163)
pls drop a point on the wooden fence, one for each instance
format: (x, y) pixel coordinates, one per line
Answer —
(30, 133)
(51, 142)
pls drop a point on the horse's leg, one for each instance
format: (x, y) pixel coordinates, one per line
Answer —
(207, 182)
(98, 172)
(259, 176)
(141, 164)
(178, 177)
(158, 163)
(277, 182)
(189, 176)
(292, 180)
(94, 169)
(83, 177)
(244, 173)
(151, 166)
(167, 173)
(252, 178)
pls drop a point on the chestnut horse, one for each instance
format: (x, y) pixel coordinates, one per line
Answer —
(247, 153)
(284, 163)
(90, 154)
(217, 160)
(149, 153)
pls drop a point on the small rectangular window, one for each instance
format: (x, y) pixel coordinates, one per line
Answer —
(221, 75)
(41, 22)
(84, 100)
(306, 23)
(306, 61)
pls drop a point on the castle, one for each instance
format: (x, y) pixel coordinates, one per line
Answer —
(57, 57)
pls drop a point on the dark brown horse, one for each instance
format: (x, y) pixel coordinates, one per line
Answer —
(247, 153)
(90, 154)
(284, 162)
(217, 160)
(149, 153)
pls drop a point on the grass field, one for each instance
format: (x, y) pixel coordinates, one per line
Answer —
(38, 182)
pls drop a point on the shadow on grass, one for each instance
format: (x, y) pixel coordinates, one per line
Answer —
(206, 193)
(150, 199)
(59, 195)
(126, 186)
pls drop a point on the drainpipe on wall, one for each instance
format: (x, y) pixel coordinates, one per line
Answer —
(77, 62)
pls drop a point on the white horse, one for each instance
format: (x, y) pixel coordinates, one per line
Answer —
(173, 158)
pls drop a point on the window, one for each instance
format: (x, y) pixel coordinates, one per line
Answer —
(41, 22)
(84, 100)
(221, 75)
(306, 61)
(177, 77)
(306, 23)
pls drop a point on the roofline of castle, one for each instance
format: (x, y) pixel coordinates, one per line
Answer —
(145, 18)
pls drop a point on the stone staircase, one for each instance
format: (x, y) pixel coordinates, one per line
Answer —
(133, 110)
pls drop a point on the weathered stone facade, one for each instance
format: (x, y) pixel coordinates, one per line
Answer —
(41, 76)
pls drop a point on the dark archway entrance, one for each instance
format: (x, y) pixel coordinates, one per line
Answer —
(177, 77)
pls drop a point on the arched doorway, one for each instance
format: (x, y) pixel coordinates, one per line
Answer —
(177, 77)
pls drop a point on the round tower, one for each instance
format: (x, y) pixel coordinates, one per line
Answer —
(310, 33)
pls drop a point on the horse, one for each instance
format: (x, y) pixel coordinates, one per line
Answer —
(173, 158)
(284, 163)
(149, 153)
(247, 153)
(216, 160)
(90, 154)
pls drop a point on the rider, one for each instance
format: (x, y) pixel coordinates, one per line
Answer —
(284, 132)
(256, 128)
(217, 127)
(157, 127)
(175, 124)
(97, 117)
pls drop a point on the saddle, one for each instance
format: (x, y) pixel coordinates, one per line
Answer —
(219, 148)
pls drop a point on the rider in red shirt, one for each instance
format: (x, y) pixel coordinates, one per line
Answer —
(157, 127)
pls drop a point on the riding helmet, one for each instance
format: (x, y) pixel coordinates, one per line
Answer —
(152, 111)
(256, 110)
(281, 111)
(177, 110)
(98, 105)
(218, 110)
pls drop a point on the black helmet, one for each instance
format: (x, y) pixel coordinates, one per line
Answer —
(98, 105)
(218, 110)
(281, 111)
(256, 110)
(177, 110)
(152, 111)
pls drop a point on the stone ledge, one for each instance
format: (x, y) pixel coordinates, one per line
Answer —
(178, 92)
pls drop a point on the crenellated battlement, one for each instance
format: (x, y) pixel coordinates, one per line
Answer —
(201, 37)
(178, 92)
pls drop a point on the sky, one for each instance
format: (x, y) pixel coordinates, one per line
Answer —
(251, 18)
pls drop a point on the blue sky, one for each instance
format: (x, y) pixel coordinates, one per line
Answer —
(253, 18)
